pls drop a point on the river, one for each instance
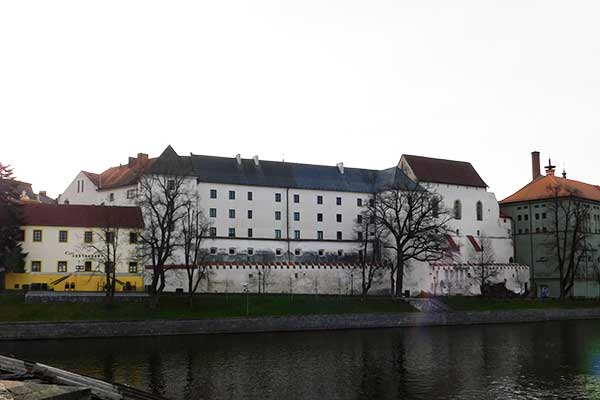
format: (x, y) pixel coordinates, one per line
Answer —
(524, 361)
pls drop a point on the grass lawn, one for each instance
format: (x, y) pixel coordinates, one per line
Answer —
(13, 307)
(459, 303)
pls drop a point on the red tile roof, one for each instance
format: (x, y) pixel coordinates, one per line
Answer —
(437, 170)
(122, 175)
(84, 216)
(541, 188)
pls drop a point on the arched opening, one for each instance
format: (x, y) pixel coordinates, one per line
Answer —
(457, 209)
(479, 211)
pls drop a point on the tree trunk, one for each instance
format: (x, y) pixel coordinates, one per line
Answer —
(399, 276)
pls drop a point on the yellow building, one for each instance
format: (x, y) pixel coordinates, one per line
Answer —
(67, 246)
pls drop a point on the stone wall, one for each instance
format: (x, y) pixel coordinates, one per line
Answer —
(89, 329)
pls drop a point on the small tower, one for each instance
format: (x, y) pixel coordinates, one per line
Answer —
(550, 169)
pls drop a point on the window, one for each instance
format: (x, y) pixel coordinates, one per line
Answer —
(278, 252)
(87, 266)
(519, 217)
(63, 236)
(36, 266)
(133, 267)
(249, 214)
(277, 215)
(213, 231)
(277, 233)
(340, 252)
(435, 206)
(171, 184)
(296, 198)
(338, 201)
(37, 235)
(133, 237)
(88, 236)
(297, 252)
(213, 250)
(537, 216)
(321, 252)
(457, 209)
(231, 213)
(359, 202)
(296, 216)
(319, 235)
(479, 211)
(110, 237)
(338, 217)
(213, 193)
(250, 196)
(250, 232)
(131, 193)
(319, 217)
(319, 199)
(338, 235)
(297, 234)
(543, 215)
(232, 250)
(61, 266)
(359, 235)
(250, 251)
(520, 231)
(526, 216)
(278, 197)
(111, 197)
(232, 195)
(371, 202)
(212, 213)
(231, 232)
(359, 219)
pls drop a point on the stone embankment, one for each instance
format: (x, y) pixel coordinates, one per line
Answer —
(89, 329)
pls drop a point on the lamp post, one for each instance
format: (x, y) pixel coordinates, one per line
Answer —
(245, 288)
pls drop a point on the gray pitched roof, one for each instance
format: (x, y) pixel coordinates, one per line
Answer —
(279, 174)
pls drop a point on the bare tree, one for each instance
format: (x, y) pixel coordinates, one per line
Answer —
(369, 252)
(570, 226)
(414, 226)
(484, 258)
(163, 197)
(194, 228)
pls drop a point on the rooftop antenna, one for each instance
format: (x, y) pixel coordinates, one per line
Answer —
(283, 157)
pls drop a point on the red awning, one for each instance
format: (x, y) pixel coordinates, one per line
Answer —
(452, 244)
(473, 241)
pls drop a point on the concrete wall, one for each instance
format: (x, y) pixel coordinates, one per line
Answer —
(89, 329)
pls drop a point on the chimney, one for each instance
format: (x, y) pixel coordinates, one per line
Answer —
(340, 167)
(142, 158)
(131, 162)
(238, 158)
(256, 162)
(43, 193)
(550, 168)
(535, 164)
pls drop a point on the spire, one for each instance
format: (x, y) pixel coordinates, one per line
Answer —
(564, 174)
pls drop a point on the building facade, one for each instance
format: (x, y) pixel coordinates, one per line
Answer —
(64, 247)
(531, 210)
(270, 214)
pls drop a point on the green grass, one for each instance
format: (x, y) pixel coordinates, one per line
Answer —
(459, 303)
(13, 307)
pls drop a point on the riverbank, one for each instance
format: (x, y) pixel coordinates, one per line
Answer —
(13, 308)
(205, 326)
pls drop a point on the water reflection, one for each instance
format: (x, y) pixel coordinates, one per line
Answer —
(483, 362)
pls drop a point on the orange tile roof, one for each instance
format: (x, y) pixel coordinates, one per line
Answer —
(541, 188)
(122, 175)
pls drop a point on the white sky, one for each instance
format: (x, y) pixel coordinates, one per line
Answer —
(84, 85)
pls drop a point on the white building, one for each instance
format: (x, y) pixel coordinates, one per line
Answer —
(64, 247)
(274, 215)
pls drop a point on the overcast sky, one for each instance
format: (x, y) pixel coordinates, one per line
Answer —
(84, 85)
